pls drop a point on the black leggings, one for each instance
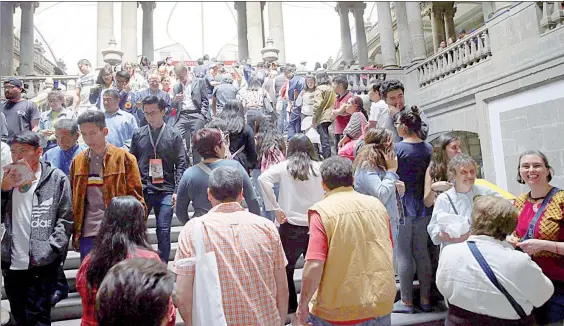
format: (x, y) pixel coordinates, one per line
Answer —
(294, 241)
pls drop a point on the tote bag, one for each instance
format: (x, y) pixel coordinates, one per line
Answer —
(207, 309)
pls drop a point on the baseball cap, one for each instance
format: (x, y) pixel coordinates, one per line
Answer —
(14, 82)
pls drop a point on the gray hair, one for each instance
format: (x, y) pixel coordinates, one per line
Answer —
(56, 94)
(337, 172)
(460, 160)
(67, 124)
(226, 184)
(227, 78)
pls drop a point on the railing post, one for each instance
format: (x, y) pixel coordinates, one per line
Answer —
(546, 21)
(558, 14)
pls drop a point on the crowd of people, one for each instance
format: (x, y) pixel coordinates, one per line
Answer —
(274, 165)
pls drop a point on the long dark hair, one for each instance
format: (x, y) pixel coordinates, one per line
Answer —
(371, 155)
(232, 117)
(301, 154)
(267, 136)
(438, 166)
(122, 230)
(107, 69)
(357, 100)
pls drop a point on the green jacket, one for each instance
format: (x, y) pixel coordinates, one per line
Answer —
(323, 102)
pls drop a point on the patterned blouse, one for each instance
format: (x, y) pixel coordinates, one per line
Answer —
(549, 227)
(353, 130)
(252, 99)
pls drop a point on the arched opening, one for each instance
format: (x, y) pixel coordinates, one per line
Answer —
(470, 143)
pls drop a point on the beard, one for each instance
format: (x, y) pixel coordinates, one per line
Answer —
(9, 96)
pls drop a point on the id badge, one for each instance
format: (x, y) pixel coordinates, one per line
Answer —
(156, 170)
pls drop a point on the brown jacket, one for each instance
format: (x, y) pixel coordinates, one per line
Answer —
(323, 102)
(121, 178)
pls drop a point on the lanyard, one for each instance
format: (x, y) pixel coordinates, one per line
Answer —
(158, 139)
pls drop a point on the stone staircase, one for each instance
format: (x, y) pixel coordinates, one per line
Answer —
(68, 312)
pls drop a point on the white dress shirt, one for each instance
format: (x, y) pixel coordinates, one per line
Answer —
(295, 197)
(463, 283)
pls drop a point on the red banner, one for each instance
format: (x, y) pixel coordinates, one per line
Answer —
(193, 63)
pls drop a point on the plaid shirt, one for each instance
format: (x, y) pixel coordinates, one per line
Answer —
(248, 251)
(89, 298)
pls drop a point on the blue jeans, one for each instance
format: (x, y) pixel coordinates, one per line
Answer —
(378, 321)
(268, 214)
(295, 123)
(86, 245)
(162, 203)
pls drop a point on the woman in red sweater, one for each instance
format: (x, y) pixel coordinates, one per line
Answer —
(122, 235)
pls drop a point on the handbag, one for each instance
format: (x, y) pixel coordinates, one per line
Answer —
(207, 308)
(491, 276)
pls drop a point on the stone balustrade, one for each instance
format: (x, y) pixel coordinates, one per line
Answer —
(34, 85)
(552, 15)
(457, 57)
(359, 80)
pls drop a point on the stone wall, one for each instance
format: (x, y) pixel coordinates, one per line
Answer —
(539, 126)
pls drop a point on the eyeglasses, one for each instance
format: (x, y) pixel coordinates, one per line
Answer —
(396, 124)
(151, 114)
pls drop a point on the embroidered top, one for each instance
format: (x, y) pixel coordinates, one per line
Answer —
(549, 227)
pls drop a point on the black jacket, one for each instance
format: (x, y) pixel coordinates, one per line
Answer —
(199, 96)
(170, 150)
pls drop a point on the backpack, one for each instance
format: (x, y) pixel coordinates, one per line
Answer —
(271, 157)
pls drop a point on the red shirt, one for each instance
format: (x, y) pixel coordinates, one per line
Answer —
(318, 247)
(89, 298)
(552, 267)
(341, 121)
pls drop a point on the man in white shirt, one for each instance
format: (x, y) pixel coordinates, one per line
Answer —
(472, 297)
(38, 219)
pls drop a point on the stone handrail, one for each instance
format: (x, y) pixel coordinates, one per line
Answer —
(34, 85)
(358, 79)
(455, 58)
(552, 15)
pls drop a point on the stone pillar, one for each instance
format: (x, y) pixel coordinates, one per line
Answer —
(26, 39)
(104, 29)
(7, 38)
(437, 26)
(449, 22)
(387, 45)
(148, 46)
(254, 30)
(276, 28)
(406, 53)
(346, 42)
(360, 28)
(242, 42)
(129, 31)
(415, 24)
(500, 6)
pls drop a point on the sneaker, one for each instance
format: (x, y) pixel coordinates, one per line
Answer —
(402, 308)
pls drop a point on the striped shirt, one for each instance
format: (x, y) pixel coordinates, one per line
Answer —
(355, 125)
(248, 252)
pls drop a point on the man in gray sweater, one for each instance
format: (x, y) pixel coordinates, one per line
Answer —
(37, 214)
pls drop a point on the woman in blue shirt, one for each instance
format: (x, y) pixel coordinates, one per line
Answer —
(413, 156)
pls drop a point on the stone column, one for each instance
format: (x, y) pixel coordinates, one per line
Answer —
(7, 38)
(104, 29)
(437, 26)
(360, 28)
(387, 45)
(406, 53)
(276, 28)
(148, 46)
(346, 42)
(449, 22)
(129, 31)
(254, 30)
(500, 6)
(242, 42)
(27, 39)
(415, 24)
